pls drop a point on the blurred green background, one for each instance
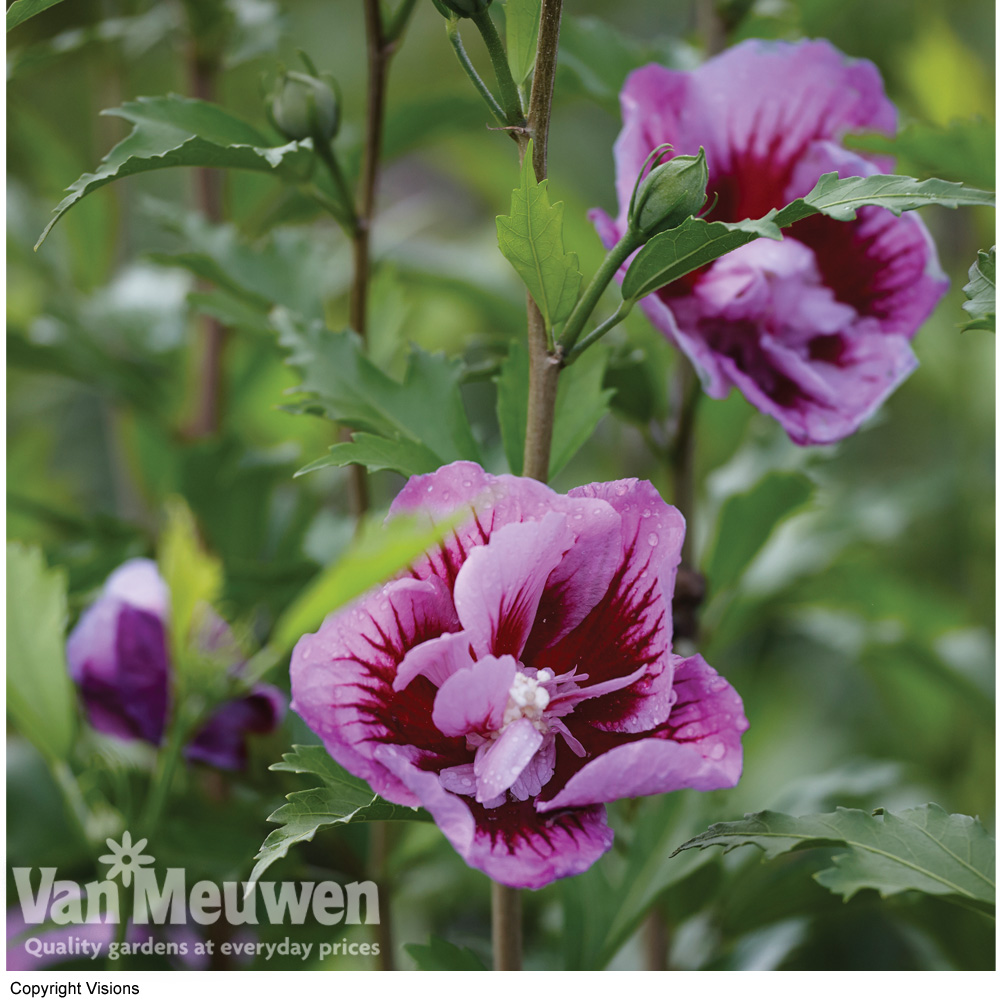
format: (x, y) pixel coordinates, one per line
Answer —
(860, 636)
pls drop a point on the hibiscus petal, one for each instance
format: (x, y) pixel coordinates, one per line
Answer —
(436, 659)
(222, 741)
(698, 747)
(495, 501)
(117, 656)
(473, 699)
(500, 763)
(342, 678)
(498, 589)
(512, 844)
(138, 582)
(631, 627)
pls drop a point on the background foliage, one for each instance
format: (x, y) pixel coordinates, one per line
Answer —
(859, 633)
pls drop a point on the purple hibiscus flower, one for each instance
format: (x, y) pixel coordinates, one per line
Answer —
(522, 675)
(117, 656)
(814, 330)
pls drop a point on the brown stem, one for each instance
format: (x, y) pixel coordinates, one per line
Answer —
(506, 913)
(380, 50)
(210, 375)
(543, 379)
(656, 942)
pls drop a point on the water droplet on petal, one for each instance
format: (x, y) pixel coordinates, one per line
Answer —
(646, 512)
(653, 538)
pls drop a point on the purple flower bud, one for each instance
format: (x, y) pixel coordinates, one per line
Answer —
(118, 658)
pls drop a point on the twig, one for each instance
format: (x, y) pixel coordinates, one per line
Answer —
(507, 937)
(203, 73)
(543, 379)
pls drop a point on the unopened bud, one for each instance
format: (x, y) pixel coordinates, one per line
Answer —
(303, 107)
(673, 191)
(463, 8)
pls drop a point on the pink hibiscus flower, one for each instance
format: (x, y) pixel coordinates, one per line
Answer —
(814, 330)
(522, 674)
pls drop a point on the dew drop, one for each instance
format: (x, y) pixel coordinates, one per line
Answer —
(646, 512)
(653, 538)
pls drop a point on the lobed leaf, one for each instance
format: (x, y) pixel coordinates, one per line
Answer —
(531, 239)
(173, 131)
(40, 696)
(342, 799)
(923, 849)
(981, 291)
(422, 419)
(964, 149)
(695, 243)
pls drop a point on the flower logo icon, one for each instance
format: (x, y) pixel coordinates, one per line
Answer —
(125, 858)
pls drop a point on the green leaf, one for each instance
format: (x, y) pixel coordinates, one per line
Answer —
(377, 453)
(747, 521)
(531, 239)
(425, 411)
(193, 578)
(175, 131)
(676, 252)
(512, 404)
(923, 849)
(443, 956)
(19, 11)
(840, 198)
(522, 36)
(981, 291)
(378, 552)
(40, 695)
(964, 150)
(581, 403)
(650, 869)
(672, 254)
(342, 799)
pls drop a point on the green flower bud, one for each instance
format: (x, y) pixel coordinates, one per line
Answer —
(303, 107)
(668, 195)
(463, 8)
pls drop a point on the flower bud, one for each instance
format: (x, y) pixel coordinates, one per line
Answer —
(669, 194)
(303, 107)
(463, 8)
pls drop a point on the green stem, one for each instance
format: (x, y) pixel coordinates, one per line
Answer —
(348, 216)
(164, 778)
(451, 27)
(588, 301)
(510, 98)
(599, 331)
(76, 807)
